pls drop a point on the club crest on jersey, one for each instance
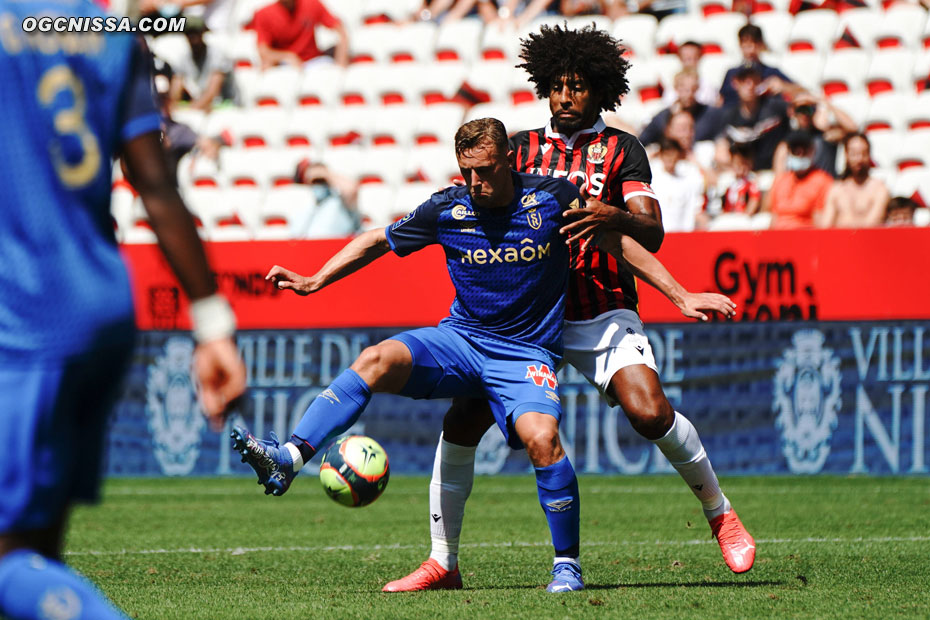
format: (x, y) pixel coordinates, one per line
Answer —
(596, 153)
(534, 219)
(542, 376)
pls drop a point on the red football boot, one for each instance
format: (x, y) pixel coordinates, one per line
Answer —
(737, 546)
(430, 576)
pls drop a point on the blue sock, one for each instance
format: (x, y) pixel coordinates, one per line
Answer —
(332, 412)
(33, 587)
(558, 495)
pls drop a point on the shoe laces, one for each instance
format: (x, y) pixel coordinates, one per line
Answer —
(728, 532)
(430, 570)
(566, 567)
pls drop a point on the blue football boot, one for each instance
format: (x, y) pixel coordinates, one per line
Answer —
(272, 463)
(566, 578)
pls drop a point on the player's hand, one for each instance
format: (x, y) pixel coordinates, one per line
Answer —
(285, 279)
(221, 376)
(588, 222)
(694, 305)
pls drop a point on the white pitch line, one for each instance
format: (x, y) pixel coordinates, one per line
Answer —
(672, 543)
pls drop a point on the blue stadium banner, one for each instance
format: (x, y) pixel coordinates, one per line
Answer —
(770, 397)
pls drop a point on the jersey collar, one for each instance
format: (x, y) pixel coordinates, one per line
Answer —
(569, 141)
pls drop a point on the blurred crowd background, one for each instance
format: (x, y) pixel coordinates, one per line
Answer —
(297, 119)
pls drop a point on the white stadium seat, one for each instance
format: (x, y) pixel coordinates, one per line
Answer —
(776, 29)
(844, 71)
(901, 26)
(637, 33)
(320, 84)
(459, 40)
(813, 30)
(890, 70)
(375, 205)
(886, 112)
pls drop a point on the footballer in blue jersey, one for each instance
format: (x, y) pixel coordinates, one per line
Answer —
(70, 103)
(502, 340)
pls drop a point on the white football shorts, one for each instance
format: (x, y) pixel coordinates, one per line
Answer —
(601, 346)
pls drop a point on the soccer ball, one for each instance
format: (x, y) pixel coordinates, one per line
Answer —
(354, 471)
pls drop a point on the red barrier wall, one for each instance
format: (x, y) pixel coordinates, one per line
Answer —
(816, 274)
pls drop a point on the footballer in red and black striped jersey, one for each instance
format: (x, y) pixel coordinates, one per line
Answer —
(609, 165)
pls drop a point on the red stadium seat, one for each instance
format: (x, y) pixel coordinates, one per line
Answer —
(890, 70)
(844, 71)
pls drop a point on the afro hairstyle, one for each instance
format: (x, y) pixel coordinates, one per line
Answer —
(593, 54)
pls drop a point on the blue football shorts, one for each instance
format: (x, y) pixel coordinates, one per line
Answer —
(53, 415)
(515, 379)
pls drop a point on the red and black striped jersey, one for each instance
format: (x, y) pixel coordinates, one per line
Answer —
(610, 165)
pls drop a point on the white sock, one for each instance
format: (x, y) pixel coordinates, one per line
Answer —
(684, 450)
(453, 475)
(566, 559)
(295, 455)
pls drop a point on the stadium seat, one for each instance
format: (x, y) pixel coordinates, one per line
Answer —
(678, 28)
(813, 30)
(279, 166)
(199, 171)
(730, 221)
(914, 150)
(917, 112)
(439, 82)
(601, 22)
(667, 65)
(408, 196)
(499, 44)
(139, 232)
(381, 165)
(415, 42)
(349, 125)
(393, 125)
(494, 78)
(920, 74)
(459, 40)
(844, 71)
(243, 51)
(223, 122)
(375, 11)
(306, 126)
(504, 112)
(901, 26)
(643, 79)
(432, 163)
(246, 81)
(770, 6)
(719, 33)
(857, 105)
(776, 29)
(890, 70)
(530, 115)
(922, 217)
(713, 68)
(637, 33)
(438, 123)
(262, 128)
(320, 84)
(762, 221)
(193, 118)
(886, 113)
(276, 86)
(375, 205)
(346, 160)
(123, 207)
(884, 148)
(283, 210)
(861, 24)
(245, 204)
(538, 22)
(361, 84)
(244, 10)
(240, 168)
(372, 43)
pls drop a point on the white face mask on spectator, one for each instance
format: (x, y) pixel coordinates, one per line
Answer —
(797, 164)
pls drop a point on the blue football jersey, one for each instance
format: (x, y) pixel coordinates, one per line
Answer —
(67, 103)
(509, 265)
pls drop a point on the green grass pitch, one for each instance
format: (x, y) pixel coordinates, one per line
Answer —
(827, 547)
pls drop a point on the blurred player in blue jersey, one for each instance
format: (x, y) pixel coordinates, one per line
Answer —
(70, 103)
(502, 340)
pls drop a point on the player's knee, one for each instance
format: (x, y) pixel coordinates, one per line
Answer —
(651, 417)
(466, 422)
(543, 446)
(373, 362)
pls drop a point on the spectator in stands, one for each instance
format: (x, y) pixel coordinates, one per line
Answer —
(611, 8)
(773, 81)
(900, 212)
(286, 33)
(334, 215)
(679, 187)
(690, 54)
(659, 9)
(743, 194)
(859, 199)
(216, 14)
(829, 125)
(705, 118)
(756, 119)
(201, 74)
(798, 195)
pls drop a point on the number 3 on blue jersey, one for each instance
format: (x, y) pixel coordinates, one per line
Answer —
(69, 121)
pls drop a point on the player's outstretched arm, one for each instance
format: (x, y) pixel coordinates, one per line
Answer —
(220, 372)
(359, 252)
(648, 268)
